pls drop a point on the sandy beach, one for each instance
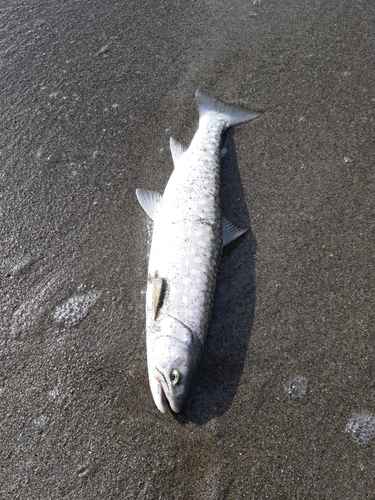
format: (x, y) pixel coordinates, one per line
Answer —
(283, 406)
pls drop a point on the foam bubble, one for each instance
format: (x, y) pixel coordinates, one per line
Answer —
(297, 387)
(57, 395)
(361, 428)
(76, 308)
(41, 422)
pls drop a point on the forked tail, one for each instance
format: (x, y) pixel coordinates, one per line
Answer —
(232, 114)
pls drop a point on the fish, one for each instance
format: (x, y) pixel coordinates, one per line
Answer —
(189, 233)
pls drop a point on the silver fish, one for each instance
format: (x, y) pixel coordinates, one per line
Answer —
(188, 236)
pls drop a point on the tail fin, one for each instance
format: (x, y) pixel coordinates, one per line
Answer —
(232, 114)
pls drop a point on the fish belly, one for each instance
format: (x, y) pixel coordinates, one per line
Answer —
(187, 237)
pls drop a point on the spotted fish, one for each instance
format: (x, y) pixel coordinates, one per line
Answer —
(188, 236)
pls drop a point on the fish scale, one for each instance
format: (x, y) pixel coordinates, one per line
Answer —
(188, 236)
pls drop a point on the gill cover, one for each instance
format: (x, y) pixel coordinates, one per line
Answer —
(172, 360)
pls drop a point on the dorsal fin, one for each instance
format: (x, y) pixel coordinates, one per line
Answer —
(177, 150)
(149, 201)
(230, 231)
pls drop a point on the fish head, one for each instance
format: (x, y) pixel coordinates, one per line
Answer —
(172, 360)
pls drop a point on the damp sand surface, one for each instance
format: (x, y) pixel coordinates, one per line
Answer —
(283, 405)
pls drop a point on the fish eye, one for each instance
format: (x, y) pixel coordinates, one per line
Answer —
(174, 376)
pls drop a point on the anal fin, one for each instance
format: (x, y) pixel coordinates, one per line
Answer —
(177, 150)
(149, 201)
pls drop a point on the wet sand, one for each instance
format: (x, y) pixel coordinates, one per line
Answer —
(90, 95)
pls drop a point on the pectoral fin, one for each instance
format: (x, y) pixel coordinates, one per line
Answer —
(158, 290)
(230, 231)
(149, 201)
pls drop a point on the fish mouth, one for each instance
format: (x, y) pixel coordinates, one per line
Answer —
(161, 395)
(159, 389)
